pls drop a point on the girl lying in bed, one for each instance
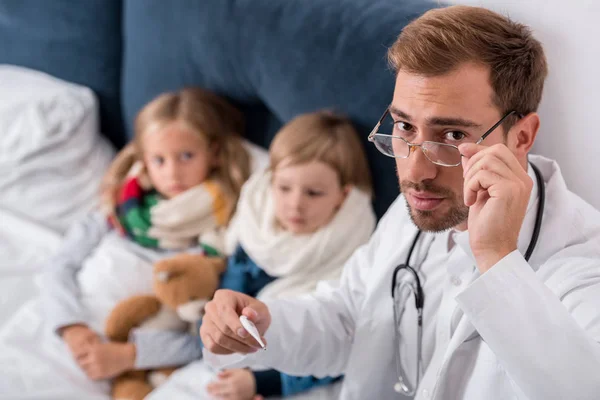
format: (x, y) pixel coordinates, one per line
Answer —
(295, 225)
(185, 170)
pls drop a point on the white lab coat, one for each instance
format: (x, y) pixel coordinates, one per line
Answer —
(519, 331)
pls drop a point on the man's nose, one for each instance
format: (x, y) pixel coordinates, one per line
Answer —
(417, 167)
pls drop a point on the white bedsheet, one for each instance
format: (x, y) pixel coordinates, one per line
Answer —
(34, 362)
(189, 383)
(24, 246)
(51, 373)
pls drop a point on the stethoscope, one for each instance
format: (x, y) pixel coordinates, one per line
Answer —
(402, 386)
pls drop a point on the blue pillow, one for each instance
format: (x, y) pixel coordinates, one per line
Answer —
(276, 59)
(78, 41)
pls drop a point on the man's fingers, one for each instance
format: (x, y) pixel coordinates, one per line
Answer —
(222, 327)
(259, 314)
(474, 153)
(228, 322)
(211, 345)
(501, 166)
(251, 313)
(470, 149)
(482, 180)
(491, 164)
(230, 344)
(219, 343)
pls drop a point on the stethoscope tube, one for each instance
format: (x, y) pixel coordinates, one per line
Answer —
(539, 214)
(419, 295)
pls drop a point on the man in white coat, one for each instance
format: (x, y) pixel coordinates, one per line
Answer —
(495, 324)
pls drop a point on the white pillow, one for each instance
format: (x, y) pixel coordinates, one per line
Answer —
(259, 157)
(52, 156)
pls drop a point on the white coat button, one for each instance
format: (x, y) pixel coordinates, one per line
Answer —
(425, 393)
(455, 280)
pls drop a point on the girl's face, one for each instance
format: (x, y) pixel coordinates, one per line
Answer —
(306, 196)
(176, 158)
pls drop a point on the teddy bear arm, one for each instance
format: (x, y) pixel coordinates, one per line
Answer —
(128, 314)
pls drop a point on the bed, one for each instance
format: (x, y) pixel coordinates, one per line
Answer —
(51, 158)
(73, 75)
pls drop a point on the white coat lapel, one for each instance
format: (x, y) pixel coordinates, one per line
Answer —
(464, 330)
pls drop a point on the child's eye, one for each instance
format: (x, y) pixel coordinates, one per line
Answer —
(157, 160)
(283, 188)
(314, 193)
(186, 155)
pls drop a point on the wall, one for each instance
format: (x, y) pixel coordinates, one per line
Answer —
(570, 109)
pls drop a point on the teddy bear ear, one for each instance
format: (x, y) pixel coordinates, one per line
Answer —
(162, 276)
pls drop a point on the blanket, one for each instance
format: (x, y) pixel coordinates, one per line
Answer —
(34, 362)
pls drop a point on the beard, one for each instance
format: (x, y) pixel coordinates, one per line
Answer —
(435, 220)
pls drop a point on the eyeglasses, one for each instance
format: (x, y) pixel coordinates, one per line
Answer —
(446, 155)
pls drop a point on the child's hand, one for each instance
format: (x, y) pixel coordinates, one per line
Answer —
(234, 384)
(79, 338)
(107, 360)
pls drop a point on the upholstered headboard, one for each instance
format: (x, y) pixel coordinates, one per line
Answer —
(275, 59)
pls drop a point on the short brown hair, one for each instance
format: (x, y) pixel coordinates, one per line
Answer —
(327, 137)
(442, 39)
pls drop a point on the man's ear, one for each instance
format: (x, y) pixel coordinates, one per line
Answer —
(522, 135)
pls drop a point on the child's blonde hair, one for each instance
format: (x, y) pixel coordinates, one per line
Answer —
(327, 137)
(206, 114)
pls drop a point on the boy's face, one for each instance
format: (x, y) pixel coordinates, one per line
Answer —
(306, 196)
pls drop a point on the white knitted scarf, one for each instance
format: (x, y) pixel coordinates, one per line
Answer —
(298, 261)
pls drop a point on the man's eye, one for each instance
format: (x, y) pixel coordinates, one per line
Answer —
(455, 136)
(403, 130)
(403, 126)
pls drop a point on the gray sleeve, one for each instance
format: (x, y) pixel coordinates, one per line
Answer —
(59, 289)
(157, 349)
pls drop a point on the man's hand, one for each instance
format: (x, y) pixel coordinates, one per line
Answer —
(79, 338)
(107, 360)
(496, 190)
(221, 330)
(234, 384)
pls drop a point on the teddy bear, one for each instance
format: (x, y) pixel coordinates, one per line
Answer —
(182, 286)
